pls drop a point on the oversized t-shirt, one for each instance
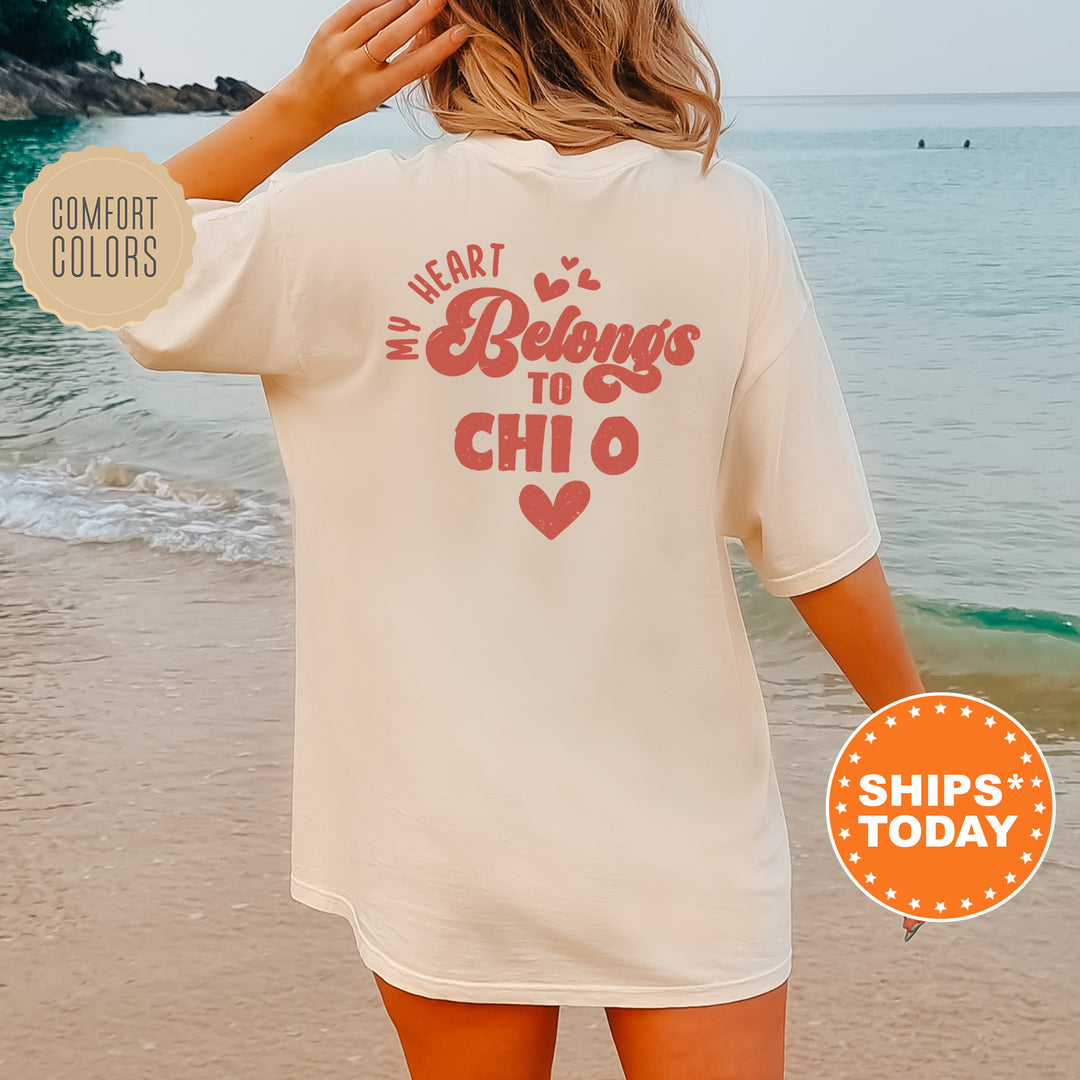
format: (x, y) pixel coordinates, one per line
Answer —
(520, 400)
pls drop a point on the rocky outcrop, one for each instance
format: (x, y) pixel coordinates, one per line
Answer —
(83, 89)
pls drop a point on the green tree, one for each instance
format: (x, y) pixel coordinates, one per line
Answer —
(49, 32)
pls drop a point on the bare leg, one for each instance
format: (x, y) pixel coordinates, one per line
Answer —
(456, 1040)
(742, 1040)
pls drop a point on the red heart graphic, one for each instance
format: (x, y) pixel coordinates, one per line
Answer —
(548, 290)
(552, 517)
(569, 263)
(587, 281)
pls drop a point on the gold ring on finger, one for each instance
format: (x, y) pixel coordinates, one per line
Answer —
(379, 63)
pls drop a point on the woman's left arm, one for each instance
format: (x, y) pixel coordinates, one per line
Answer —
(337, 81)
(855, 619)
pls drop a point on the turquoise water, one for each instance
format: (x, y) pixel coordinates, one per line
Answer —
(948, 285)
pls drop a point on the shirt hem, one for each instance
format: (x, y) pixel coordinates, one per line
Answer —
(829, 572)
(533, 993)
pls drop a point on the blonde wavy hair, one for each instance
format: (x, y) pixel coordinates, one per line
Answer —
(577, 72)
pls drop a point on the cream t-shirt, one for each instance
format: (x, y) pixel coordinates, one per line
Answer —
(520, 399)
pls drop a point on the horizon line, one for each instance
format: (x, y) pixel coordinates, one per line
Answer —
(922, 94)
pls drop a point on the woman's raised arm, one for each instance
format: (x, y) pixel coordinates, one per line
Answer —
(855, 619)
(337, 81)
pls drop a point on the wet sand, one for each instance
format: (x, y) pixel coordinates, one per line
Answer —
(146, 927)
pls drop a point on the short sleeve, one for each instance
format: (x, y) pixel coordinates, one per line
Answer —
(791, 485)
(231, 315)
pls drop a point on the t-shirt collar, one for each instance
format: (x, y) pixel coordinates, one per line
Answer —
(540, 154)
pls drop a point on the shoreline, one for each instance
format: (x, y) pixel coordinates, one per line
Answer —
(83, 89)
(146, 925)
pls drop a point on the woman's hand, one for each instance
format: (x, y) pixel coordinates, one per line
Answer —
(345, 73)
(335, 82)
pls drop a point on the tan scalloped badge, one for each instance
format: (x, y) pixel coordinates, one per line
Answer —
(103, 237)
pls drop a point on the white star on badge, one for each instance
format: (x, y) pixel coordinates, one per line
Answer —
(1025, 758)
(1036, 833)
(870, 736)
(1011, 737)
(854, 857)
(844, 834)
(890, 894)
(853, 758)
(913, 904)
(841, 807)
(1039, 807)
(1026, 857)
(965, 711)
(939, 708)
(891, 722)
(844, 781)
(965, 903)
(1036, 781)
(989, 722)
(870, 879)
(939, 906)
(1010, 878)
(990, 894)
(914, 710)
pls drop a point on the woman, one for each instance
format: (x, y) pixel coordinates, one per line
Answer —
(523, 386)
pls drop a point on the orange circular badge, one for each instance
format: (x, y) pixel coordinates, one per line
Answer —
(103, 237)
(940, 807)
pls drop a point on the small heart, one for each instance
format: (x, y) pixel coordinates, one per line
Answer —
(587, 281)
(568, 263)
(548, 290)
(552, 517)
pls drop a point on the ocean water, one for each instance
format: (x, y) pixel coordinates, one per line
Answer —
(947, 281)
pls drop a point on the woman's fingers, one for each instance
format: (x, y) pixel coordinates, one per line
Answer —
(427, 57)
(365, 29)
(420, 39)
(348, 14)
(398, 26)
(336, 81)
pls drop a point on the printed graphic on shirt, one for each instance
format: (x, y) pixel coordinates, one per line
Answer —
(545, 340)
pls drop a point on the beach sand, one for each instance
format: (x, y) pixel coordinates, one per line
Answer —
(146, 927)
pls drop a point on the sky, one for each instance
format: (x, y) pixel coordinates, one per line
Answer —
(764, 47)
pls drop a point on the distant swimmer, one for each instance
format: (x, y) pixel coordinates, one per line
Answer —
(922, 144)
(967, 144)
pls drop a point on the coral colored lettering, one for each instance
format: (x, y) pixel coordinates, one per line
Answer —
(490, 329)
(614, 447)
(436, 280)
